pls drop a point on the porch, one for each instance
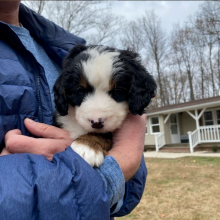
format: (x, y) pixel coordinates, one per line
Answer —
(185, 148)
(202, 135)
(192, 125)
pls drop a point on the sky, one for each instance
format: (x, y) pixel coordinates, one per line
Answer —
(170, 12)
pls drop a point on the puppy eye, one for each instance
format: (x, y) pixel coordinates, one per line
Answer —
(119, 94)
(79, 89)
(77, 95)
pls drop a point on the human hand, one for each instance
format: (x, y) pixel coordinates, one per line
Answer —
(4, 152)
(128, 144)
(51, 140)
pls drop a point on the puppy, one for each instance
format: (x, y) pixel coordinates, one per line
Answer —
(97, 88)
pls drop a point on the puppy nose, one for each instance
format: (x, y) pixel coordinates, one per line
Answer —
(97, 123)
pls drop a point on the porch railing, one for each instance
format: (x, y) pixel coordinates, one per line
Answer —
(193, 139)
(210, 134)
(159, 141)
(205, 134)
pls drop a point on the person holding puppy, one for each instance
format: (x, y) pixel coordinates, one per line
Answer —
(41, 176)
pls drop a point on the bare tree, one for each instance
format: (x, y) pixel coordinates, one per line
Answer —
(208, 19)
(200, 50)
(183, 47)
(155, 44)
(106, 31)
(76, 16)
(37, 6)
(218, 66)
(132, 37)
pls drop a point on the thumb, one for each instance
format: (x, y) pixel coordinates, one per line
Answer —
(45, 131)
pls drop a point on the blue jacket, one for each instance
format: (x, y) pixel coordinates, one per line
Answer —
(32, 187)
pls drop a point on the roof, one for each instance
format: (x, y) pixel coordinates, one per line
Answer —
(186, 106)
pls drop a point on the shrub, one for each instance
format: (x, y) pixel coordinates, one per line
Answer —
(215, 149)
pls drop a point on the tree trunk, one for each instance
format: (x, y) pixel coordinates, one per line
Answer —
(192, 98)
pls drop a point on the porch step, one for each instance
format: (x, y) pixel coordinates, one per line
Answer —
(208, 147)
(184, 147)
(149, 148)
(176, 148)
(177, 145)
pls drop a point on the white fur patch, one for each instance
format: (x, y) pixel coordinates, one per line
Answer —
(99, 68)
(70, 124)
(95, 159)
(101, 105)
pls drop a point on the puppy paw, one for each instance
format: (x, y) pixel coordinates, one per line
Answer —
(93, 157)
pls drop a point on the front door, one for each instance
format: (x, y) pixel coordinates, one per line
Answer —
(174, 129)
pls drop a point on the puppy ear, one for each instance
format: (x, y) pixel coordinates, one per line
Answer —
(60, 98)
(143, 87)
(76, 50)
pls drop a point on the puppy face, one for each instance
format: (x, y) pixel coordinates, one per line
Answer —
(102, 84)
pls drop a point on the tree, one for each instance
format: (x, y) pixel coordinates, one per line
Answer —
(106, 31)
(208, 19)
(206, 23)
(132, 37)
(38, 6)
(183, 47)
(155, 44)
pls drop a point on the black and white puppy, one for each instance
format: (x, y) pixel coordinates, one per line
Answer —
(97, 88)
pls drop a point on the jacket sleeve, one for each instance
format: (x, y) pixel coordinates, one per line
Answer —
(114, 182)
(31, 187)
(134, 189)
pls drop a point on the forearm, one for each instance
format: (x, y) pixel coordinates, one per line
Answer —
(128, 145)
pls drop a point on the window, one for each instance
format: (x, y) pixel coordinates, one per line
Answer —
(218, 116)
(155, 125)
(212, 117)
(208, 118)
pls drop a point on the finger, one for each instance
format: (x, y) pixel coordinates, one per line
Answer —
(13, 132)
(133, 124)
(134, 120)
(10, 134)
(14, 139)
(41, 146)
(45, 131)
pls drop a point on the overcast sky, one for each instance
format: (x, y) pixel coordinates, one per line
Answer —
(170, 12)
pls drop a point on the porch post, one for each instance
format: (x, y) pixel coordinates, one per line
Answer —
(190, 141)
(166, 119)
(156, 143)
(197, 124)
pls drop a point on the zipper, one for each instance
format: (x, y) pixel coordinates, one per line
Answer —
(40, 114)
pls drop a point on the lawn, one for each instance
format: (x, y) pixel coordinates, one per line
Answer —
(180, 189)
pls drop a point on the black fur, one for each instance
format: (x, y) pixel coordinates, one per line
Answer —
(67, 89)
(143, 87)
(132, 81)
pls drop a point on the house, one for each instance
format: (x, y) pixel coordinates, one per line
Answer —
(193, 122)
